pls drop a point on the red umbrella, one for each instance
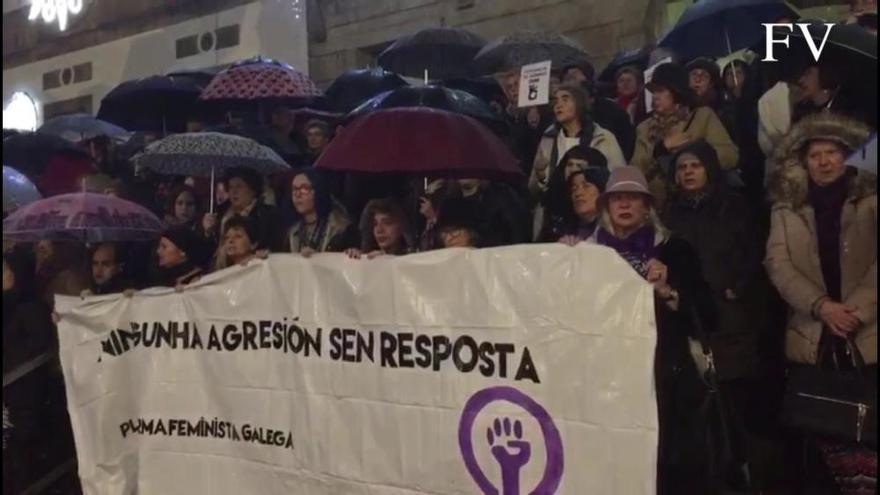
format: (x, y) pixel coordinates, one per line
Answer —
(423, 141)
(260, 78)
(65, 174)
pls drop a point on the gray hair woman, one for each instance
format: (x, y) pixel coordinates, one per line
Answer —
(822, 257)
(629, 224)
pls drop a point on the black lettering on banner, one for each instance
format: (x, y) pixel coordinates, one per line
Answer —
(460, 343)
(387, 346)
(249, 329)
(278, 340)
(405, 349)
(213, 340)
(335, 344)
(423, 349)
(366, 346)
(487, 364)
(503, 350)
(526, 368)
(265, 334)
(442, 350)
(231, 337)
(197, 338)
(162, 334)
(349, 339)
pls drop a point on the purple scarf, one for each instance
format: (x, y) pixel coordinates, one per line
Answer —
(637, 249)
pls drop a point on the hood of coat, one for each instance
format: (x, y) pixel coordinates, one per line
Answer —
(789, 182)
(709, 158)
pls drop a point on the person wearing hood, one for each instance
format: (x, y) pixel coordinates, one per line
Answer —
(319, 224)
(574, 126)
(675, 121)
(822, 257)
(182, 256)
(571, 210)
(456, 225)
(385, 230)
(630, 225)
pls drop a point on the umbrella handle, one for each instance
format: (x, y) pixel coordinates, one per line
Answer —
(730, 52)
(213, 187)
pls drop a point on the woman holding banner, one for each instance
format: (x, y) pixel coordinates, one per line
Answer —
(629, 224)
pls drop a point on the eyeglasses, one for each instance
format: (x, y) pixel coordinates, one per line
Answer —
(303, 189)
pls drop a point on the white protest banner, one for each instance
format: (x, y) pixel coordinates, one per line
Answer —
(534, 84)
(649, 74)
(515, 370)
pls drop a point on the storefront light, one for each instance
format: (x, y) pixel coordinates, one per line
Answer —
(52, 10)
(20, 113)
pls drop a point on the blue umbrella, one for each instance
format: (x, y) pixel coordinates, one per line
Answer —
(18, 190)
(716, 28)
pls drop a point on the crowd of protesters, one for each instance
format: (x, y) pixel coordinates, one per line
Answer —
(730, 195)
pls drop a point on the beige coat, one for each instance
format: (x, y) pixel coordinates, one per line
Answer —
(704, 125)
(792, 259)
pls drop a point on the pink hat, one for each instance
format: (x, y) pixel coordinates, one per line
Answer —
(627, 179)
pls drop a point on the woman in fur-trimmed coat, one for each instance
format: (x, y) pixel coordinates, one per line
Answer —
(822, 256)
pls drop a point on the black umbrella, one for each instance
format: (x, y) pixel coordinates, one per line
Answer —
(157, 103)
(523, 48)
(717, 28)
(485, 88)
(637, 57)
(354, 87)
(444, 52)
(30, 152)
(437, 97)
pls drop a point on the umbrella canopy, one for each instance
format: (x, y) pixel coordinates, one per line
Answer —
(203, 153)
(18, 190)
(30, 152)
(637, 57)
(864, 158)
(523, 48)
(83, 217)
(445, 52)
(354, 87)
(81, 126)
(65, 174)
(260, 78)
(423, 141)
(720, 27)
(438, 97)
(485, 88)
(157, 103)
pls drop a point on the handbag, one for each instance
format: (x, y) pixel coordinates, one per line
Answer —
(841, 404)
(725, 459)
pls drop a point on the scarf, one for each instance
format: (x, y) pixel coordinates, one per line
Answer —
(827, 203)
(313, 239)
(693, 201)
(637, 249)
(624, 101)
(660, 124)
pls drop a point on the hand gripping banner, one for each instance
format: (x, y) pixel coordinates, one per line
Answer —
(515, 370)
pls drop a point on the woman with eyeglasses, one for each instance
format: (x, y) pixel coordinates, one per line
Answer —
(319, 222)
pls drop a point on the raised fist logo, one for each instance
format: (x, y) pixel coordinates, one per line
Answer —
(511, 452)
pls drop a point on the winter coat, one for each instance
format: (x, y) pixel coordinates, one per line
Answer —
(184, 273)
(548, 155)
(720, 229)
(610, 116)
(792, 259)
(680, 391)
(703, 124)
(268, 221)
(336, 225)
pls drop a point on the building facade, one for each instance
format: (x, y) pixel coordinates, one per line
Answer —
(106, 42)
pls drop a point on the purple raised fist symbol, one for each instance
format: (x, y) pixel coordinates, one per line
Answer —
(505, 441)
(511, 452)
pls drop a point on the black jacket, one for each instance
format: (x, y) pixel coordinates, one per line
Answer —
(502, 217)
(720, 229)
(269, 225)
(609, 115)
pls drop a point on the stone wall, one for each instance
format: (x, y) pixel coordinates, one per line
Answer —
(350, 33)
